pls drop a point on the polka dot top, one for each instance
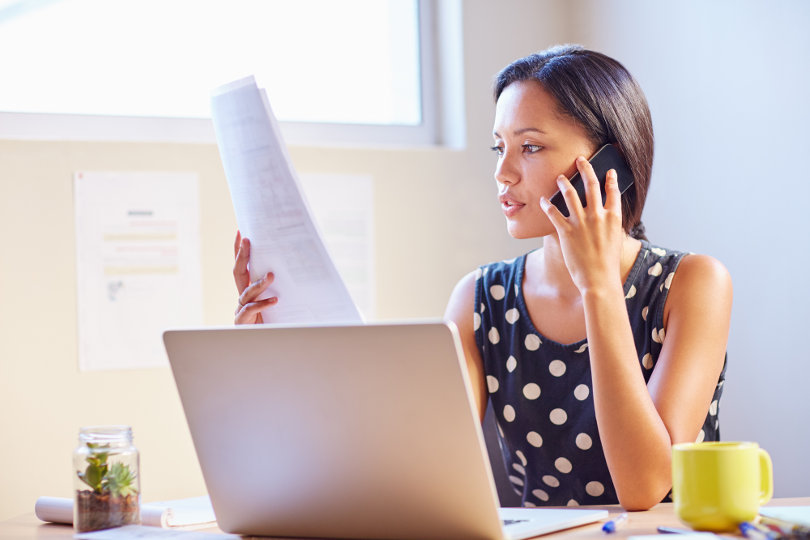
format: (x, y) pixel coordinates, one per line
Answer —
(541, 389)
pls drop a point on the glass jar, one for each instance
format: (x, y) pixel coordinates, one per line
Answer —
(106, 479)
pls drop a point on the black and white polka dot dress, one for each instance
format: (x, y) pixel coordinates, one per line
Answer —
(541, 389)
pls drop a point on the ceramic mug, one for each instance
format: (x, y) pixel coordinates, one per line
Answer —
(718, 485)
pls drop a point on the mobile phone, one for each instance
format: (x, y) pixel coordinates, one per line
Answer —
(606, 158)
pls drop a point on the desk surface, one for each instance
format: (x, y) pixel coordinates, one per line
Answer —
(28, 526)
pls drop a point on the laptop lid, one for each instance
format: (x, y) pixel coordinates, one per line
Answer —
(349, 431)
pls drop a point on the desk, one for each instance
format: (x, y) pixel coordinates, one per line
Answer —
(29, 527)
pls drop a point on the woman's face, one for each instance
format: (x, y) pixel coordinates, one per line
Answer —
(535, 144)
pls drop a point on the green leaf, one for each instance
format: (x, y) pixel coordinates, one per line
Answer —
(98, 459)
(93, 476)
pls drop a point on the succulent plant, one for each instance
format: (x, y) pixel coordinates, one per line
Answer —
(119, 481)
(116, 479)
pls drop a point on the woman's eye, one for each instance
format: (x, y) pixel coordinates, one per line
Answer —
(531, 148)
(497, 149)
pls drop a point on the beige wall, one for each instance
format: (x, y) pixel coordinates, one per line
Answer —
(435, 215)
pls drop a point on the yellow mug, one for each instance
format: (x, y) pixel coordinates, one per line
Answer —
(718, 485)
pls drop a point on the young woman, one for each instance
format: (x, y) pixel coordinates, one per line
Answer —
(597, 350)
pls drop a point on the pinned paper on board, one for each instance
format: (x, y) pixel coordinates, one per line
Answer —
(137, 263)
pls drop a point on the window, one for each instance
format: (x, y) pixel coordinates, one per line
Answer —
(124, 68)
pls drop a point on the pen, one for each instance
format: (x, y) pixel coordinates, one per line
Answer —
(610, 526)
(784, 528)
(757, 532)
(768, 531)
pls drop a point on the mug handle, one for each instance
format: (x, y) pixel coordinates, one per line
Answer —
(765, 477)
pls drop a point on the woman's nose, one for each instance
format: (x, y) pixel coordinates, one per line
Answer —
(505, 170)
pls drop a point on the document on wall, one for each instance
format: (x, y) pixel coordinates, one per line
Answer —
(138, 265)
(273, 213)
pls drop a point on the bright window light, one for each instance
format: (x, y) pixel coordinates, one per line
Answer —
(326, 61)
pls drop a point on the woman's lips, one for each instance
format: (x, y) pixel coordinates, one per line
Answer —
(510, 206)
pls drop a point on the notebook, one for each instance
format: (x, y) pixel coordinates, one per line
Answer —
(789, 516)
(344, 431)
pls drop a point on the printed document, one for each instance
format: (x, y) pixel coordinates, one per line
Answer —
(138, 265)
(272, 212)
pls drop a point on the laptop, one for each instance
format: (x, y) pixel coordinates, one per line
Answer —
(344, 431)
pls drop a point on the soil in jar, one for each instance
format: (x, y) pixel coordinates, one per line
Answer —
(96, 511)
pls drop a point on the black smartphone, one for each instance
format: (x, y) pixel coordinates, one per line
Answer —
(606, 158)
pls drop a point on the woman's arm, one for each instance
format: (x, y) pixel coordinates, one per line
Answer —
(460, 310)
(697, 317)
(637, 422)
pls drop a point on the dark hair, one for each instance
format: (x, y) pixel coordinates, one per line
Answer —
(601, 95)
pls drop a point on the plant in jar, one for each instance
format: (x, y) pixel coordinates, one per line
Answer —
(112, 500)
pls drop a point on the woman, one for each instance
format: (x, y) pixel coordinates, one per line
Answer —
(598, 350)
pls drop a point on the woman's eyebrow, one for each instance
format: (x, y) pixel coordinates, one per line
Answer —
(521, 131)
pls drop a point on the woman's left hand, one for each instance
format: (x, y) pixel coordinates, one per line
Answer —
(590, 238)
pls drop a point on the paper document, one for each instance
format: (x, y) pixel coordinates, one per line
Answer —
(187, 513)
(796, 515)
(272, 212)
(686, 536)
(138, 264)
(139, 531)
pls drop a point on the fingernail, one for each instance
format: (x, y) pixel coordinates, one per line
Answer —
(544, 203)
(581, 159)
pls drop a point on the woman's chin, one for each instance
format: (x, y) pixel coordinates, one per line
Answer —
(522, 233)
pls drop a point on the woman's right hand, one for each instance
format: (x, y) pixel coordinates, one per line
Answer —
(249, 310)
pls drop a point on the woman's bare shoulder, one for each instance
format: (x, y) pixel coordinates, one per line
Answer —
(701, 280)
(702, 271)
(462, 299)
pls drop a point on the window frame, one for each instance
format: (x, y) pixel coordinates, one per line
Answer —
(75, 127)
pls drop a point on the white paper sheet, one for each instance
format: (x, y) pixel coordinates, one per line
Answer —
(141, 531)
(685, 536)
(188, 513)
(797, 515)
(138, 265)
(272, 212)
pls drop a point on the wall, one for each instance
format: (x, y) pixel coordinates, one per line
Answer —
(724, 82)
(727, 85)
(436, 219)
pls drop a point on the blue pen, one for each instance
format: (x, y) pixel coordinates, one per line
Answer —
(754, 532)
(610, 526)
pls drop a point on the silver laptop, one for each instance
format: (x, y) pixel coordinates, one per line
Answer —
(349, 431)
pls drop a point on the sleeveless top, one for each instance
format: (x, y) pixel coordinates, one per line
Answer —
(541, 390)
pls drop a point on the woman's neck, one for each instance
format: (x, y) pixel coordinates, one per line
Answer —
(546, 267)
